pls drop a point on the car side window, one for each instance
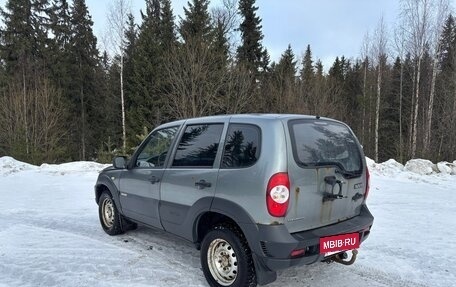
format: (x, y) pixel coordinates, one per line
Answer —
(154, 152)
(242, 146)
(198, 146)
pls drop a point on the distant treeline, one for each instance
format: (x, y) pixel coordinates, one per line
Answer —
(63, 99)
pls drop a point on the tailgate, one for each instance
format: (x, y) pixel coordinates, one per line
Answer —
(326, 171)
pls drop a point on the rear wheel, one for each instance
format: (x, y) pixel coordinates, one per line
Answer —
(226, 258)
(110, 218)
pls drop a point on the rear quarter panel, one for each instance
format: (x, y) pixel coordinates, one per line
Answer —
(247, 186)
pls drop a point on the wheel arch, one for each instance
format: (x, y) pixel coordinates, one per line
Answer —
(223, 210)
(104, 183)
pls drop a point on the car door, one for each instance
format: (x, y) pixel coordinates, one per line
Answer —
(140, 185)
(188, 185)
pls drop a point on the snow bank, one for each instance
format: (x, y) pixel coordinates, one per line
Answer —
(391, 168)
(9, 165)
(421, 166)
(387, 168)
(72, 167)
(445, 167)
(417, 170)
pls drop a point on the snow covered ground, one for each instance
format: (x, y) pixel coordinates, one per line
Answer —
(50, 235)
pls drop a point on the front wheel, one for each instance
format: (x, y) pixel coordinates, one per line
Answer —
(226, 258)
(110, 218)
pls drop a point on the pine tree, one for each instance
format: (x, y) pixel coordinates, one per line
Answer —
(389, 126)
(196, 25)
(446, 91)
(19, 53)
(337, 70)
(307, 75)
(167, 26)
(83, 90)
(131, 35)
(352, 96)
(144, 96)
(285, 81)
(40, 111)
(58, 57)
(18, 45)
(251, 52)
(307, 71)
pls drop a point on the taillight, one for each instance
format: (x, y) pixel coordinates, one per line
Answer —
(278, 194)
(366, 193)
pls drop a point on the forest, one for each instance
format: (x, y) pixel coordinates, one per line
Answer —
(63, 97)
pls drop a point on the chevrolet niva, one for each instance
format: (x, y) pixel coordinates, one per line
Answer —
(255, 193)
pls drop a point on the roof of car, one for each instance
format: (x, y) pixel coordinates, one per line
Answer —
(245, 116)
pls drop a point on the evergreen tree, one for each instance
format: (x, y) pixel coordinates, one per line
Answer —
(287, 65)
(285, 82)
(83, 88)
(58, 56)
(446, 92)
(145, 100)
(352, 96)
(18, 44)
(251, 52)
(131, 35)
(307, 75)
(196, 25)
(167, 26)
(337, 70)
(307, 71)
(389, 127)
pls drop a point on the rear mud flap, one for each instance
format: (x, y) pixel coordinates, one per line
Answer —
(263, 273)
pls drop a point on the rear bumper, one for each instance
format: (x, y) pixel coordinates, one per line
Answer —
(276, 244)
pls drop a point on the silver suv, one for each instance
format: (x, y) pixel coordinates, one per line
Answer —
(255, 193)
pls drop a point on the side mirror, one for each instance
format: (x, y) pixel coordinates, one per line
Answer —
(119, 162)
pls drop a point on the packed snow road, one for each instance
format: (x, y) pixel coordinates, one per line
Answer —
(50, 235)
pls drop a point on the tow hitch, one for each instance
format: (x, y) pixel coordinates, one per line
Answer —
(342, 258)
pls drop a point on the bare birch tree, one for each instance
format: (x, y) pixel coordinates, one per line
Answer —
(379, 50)
(440, 14)
(117, 24)
(416, 16)
(399, 44)
(365, 50)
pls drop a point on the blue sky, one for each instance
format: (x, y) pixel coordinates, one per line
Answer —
(331, 27)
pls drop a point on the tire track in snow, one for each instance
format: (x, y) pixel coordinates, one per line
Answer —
(168, 255)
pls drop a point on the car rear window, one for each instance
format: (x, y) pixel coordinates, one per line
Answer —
(325, 143)
(242, 146)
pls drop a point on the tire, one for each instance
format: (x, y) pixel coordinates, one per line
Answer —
(226, 258)
(110, 218)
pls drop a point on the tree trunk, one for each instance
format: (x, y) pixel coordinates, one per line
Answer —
(377, 108)
(415, 114)
(83, 135)
(122, 99)
(24, 95)
(453, 121)
(400, 111)
(427, 135)
(363, 128)
(412, 104)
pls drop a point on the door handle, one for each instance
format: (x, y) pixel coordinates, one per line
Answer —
(202, 184)
(154, 179)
